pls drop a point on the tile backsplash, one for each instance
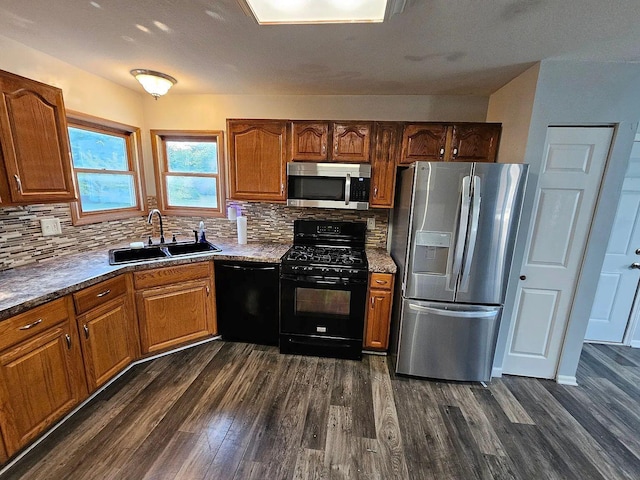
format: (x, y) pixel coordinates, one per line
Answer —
(22, 242)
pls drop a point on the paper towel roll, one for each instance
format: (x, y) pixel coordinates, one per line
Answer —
(242, 230)
(232, 213)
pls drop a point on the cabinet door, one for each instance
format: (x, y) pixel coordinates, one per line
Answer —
(475, 142)
(351, 142)
(378, 318)
(309, 141)
(34, 141)
(171, 315)
(108, 342)
(423, 143)
(257, 160)
(383, 165)
(40, 380)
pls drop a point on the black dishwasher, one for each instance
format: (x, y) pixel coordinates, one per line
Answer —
(248, 301)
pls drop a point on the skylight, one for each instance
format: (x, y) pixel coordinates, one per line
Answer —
(269, 12)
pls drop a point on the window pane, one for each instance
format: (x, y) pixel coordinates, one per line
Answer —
(106, 191)
(192, 192)
(98, 150)
(192, 157)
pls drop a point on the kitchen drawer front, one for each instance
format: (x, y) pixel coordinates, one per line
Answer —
(96, 295)
(172, 275)
(383, 281)
(23, 326)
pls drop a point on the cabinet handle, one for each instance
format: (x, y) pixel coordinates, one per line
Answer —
(86, 331)
(324, 148)
(31, 325)
(102, 294)
(441, 152)
(67, 337)
(335, 149)
(455, 152)
(18, 182)
(282, 189)
(375, 192)
(381, 282)
(208, 290)
(372, 302)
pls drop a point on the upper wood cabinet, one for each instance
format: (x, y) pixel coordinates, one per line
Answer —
(383, 164)
(108, 329)
(41, 373)
(309, 141)
(465, 142)
(34, 143)
(331, 141)
(257, 159)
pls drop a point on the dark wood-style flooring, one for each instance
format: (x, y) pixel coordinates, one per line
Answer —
(239, 411)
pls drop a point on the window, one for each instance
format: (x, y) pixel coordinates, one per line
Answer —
(106, 164)
(188, 171)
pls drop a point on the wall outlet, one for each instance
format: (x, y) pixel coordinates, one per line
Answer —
(50, 226)
(371, 223)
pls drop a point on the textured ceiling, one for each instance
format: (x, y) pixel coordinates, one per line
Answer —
(433, 47)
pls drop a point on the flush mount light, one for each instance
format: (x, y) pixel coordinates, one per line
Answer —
(155, 83)
(273, 12)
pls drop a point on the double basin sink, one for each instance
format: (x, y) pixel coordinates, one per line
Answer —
(154, 252)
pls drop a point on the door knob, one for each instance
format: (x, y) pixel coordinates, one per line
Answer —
(637, 251)
(523, 277)
(635, 265)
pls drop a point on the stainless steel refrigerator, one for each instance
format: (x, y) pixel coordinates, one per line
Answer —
(452, 237)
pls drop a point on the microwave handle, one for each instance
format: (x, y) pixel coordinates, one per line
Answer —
(347, 189)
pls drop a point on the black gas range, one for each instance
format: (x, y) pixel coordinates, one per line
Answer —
(324, 287)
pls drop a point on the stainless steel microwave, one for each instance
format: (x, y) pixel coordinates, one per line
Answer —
(328, 185)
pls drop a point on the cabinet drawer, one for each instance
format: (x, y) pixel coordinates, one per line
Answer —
(382, 281)
(172, 275)
(96, 295)
(21, 327)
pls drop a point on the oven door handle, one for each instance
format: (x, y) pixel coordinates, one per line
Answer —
(303, 279)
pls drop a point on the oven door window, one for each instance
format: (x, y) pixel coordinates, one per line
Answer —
(318, 301)
(316, 188)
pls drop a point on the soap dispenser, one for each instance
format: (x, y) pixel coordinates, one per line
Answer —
(201, 237)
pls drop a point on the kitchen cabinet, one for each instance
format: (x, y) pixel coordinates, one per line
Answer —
(383, 164)
(108, 329)
(465, 142)
(34, 143)
(350, 141)
(3, 451)
(41, 373)
(257, 159)
(175, 305)
(379, 311)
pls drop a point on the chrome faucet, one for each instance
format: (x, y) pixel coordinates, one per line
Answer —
(149, 221)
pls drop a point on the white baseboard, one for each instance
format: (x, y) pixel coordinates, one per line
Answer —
(496, 372)
(567, 380)
(635, 344)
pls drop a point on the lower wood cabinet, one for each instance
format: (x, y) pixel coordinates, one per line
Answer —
(175, 305)
(41, 373)
(108, 329)
(379, 311)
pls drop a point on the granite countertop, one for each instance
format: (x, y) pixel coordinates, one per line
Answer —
(26, 287)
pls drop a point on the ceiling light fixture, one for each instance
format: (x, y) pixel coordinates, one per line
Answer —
(155, 83)
(275, 12)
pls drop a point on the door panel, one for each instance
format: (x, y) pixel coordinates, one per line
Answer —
(565, 199)
(487, 263)
(618, 282)
(435, 216)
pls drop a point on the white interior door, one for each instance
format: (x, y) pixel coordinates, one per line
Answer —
(618, 281)
(565, 199)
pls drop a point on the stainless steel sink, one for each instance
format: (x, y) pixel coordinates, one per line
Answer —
(154, 252)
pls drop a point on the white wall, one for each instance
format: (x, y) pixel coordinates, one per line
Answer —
(580, 93)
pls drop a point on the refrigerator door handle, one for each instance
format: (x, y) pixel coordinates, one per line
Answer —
(453, 313)
(473, 233)
(463, 223)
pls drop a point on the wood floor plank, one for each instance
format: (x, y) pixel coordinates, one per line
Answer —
(244, 412)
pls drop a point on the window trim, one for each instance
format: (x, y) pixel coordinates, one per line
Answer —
(133, 142)
(160, 166)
